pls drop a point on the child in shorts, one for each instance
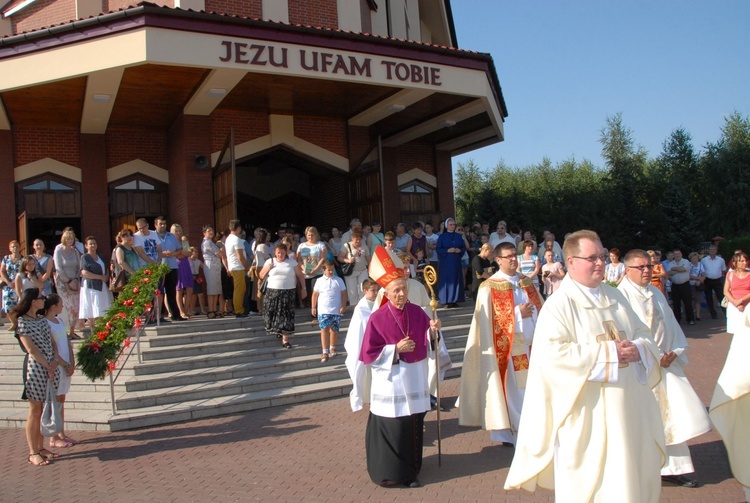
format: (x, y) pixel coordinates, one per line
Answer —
(328, 304)
(53, 306)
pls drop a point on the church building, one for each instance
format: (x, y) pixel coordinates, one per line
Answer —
(303, 112)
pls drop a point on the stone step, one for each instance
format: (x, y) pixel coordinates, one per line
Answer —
(288, 361)
(207, 388)
(89, 400)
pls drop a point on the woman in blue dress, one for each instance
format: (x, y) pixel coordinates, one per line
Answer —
(450, 248)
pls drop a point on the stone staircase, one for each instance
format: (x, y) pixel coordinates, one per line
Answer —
(205, 368)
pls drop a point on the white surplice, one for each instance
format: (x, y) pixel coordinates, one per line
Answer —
(483, 400)
(358, 371)
(682, 412)
(590, 429)
(730, 405)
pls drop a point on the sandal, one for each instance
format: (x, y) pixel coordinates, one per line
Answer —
(61, 443)
(333, 352)
(46, 454)
(211, 315)
(74, 335)
(219, 314)
(43, 462)
(70, 440)
(287, 345)
(324, 358)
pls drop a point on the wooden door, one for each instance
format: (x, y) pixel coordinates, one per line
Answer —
(121, 222)
(225, 185)
(23, 232)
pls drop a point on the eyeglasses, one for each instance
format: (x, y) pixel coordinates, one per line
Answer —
(509, 257)
(593, 258)
(640, 267)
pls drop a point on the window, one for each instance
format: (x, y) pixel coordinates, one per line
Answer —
(414, 189)
(135, 185)
(47, 185)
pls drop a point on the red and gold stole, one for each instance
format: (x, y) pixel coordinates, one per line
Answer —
(504, 324)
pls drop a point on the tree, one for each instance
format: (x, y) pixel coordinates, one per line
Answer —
(725, 176)
(624, 220)
(677, 166)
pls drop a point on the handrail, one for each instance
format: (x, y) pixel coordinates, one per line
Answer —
(137, 331)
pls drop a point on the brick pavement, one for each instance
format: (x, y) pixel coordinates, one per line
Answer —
(314, 452)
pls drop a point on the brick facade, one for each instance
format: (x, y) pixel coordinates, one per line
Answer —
(43, 14)
(126, 144)
(246, 8)
(95, 196)
(247, 126)
(314, 13)
(32, 144)
(326, 132)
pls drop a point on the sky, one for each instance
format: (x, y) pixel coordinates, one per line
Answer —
(565, 65)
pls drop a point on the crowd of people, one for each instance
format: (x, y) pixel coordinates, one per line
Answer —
(609, 351)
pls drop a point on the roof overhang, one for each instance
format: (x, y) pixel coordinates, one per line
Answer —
(402, 91)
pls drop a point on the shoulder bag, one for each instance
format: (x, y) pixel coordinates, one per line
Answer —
(348, 268)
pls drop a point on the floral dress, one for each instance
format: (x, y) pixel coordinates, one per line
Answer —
(10, 298)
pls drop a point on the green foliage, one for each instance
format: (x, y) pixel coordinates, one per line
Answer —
(101, 350)
(679, 198)
(727, 247)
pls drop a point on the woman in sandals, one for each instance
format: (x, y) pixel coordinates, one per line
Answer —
(212, 266)
(40, 370)
(278, 301)
(52, 308)
(67, 278)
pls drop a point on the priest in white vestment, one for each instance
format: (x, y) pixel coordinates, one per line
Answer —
(730, 405)
(682, 412)
(590, 426)
(496, 360)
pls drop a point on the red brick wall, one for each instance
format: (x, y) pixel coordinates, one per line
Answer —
(359, 144)
(190, 189)
(32, 144)
(444, 168)
(415, 156)
(7, 192)
(127, 144)
(94, 193)
(326, 132)
(43, 13)
(247, 126)
(248, 8)
(314, 13)
(115, 5)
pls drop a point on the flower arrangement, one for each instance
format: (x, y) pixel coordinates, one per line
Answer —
(98, 354)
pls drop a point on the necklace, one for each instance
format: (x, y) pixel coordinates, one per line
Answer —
(406, 315)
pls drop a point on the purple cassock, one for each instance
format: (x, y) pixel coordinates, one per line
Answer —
(388, 325)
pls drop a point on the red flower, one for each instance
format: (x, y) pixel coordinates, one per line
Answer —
(148, 306)
(122, 315)
(94, 346)
(108, 324)
(111, 366)
(145, 280)
(157, 292)
(102, 335)
(127, 303)
(127, 341)
(136, 290)
(147, 272)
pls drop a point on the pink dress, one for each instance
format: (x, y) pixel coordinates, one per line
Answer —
(551, 283)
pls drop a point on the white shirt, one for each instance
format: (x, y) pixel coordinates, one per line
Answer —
(149, 244)
(715, 267)
(495, 239)
(329, 294)
(680, 277)
(234, 243)
(432, 239)
(282, 276)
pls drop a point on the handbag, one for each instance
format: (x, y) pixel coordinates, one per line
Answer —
(725, 302)
(117, 283)
(51, 422)
(263, 286)
(346, 268)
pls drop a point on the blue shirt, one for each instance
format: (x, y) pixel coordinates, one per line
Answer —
(169, 242)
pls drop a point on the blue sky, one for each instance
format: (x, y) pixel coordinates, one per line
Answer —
(564, 66)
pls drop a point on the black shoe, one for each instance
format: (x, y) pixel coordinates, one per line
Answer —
(413, 483)
(680, 480)
(165, 320)
(240, 316)
(180, 318)
(508, 444)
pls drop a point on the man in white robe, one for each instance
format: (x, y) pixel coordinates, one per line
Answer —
(730, 405)
(682, 412)
(496, 360)
(590, 426)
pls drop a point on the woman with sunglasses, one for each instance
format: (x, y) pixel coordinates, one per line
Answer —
(40, 369)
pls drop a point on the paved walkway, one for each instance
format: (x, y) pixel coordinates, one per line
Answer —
(314, 453)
